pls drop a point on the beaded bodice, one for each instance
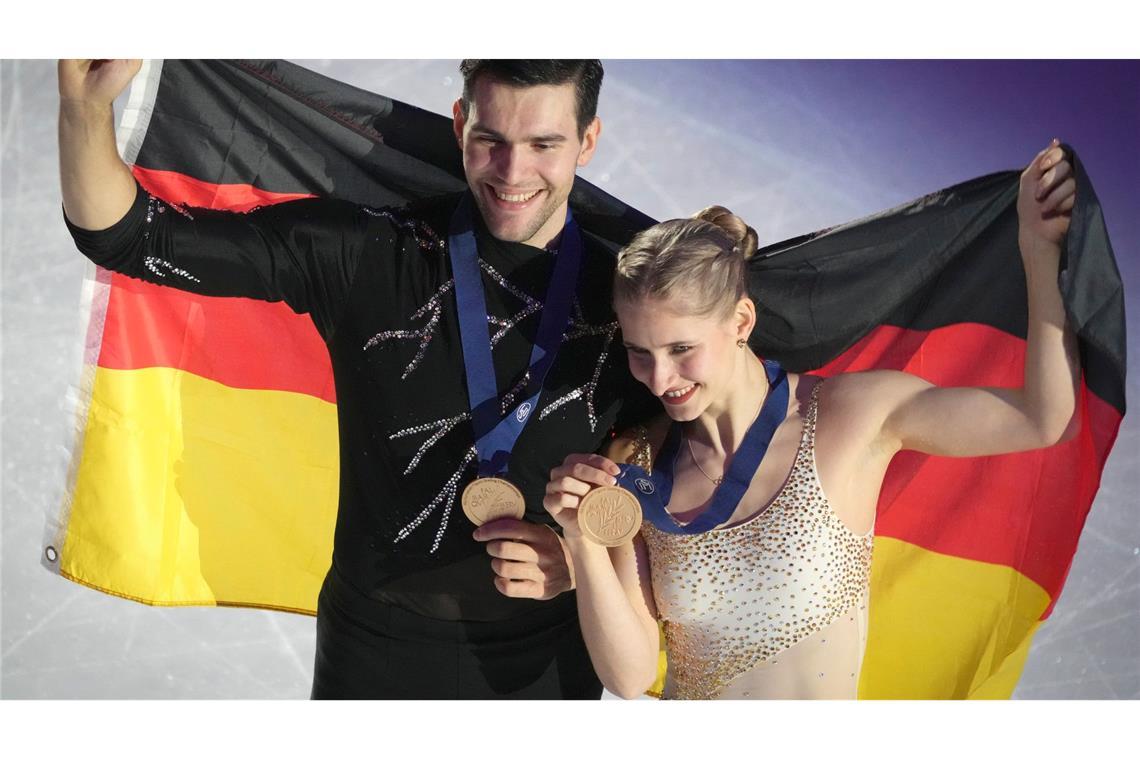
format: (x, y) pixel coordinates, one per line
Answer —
(733, 598)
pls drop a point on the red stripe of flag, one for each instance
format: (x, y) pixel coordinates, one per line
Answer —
(180, 189)
(238, 342)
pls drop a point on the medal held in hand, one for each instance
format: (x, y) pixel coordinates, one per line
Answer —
(609, 515)
(490, 496)
(487, 499)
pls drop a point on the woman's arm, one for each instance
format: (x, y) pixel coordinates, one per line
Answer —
(983, 421)
(615, 600)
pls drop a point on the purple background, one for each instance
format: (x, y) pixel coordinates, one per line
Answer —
(896, 130)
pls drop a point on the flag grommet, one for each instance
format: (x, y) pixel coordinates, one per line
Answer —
(51, 554)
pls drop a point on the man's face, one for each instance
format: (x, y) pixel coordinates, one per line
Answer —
(520, 152)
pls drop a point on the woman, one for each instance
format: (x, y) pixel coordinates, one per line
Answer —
(762, 587)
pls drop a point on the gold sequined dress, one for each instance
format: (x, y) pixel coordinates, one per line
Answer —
(774, 607)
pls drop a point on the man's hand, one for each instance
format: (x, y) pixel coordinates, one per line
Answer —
(98, 188)
(94, 81)
(529, 560)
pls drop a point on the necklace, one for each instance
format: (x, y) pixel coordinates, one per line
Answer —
(654, 490)
(689, 442)
(716, 481)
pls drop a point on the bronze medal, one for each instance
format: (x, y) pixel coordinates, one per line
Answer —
(609, 515)
(487, 499)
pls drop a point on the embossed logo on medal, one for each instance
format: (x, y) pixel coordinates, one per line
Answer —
(487, 499)
(609, 516)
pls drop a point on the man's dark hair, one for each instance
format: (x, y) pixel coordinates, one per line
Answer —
(585, 74)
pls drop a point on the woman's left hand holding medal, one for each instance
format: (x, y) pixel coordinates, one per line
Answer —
(584, 498)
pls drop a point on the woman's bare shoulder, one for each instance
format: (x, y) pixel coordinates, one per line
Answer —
(855, 406)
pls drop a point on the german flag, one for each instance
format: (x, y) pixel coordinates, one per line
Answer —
(970, 554)
(204, 469)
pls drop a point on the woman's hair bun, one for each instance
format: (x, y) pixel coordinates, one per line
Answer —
(744, 238)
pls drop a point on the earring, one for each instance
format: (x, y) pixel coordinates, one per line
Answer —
(741, 342)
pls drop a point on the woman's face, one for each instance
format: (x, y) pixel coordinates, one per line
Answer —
(689, 362)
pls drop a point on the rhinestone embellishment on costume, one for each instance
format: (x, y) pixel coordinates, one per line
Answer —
(441, 427)
(446, 497)
(431, 312)
(424, 334)
(153, 263)
(733, 598)
(579, 328)
(508, 400)
(530, 305)
(421, 232)
(433, 309)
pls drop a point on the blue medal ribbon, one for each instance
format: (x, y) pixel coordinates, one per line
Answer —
(653, 491)
(496, 433)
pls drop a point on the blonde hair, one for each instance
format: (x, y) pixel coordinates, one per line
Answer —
(700, 259)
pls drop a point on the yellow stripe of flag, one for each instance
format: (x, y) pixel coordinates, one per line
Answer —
(191, 492)
(947, 626)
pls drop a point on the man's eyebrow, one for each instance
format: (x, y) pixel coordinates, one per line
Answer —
(485, 131)
(551, 138)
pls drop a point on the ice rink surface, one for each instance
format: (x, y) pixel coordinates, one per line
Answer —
(790, 147)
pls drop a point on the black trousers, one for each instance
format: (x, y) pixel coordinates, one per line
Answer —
(397, 654)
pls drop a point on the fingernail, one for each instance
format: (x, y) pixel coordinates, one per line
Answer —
(613, 481)
(475, 535)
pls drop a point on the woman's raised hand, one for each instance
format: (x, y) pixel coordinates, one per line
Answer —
(1045, 201)
(572, 480)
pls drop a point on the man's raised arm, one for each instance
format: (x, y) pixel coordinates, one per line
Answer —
(98, 188)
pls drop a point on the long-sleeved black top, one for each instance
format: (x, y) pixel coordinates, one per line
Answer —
(377, 284)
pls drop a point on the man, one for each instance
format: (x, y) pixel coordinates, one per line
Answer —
(411, 607)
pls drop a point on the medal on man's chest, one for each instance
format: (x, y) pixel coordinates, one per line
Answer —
(497, 428)
(487, 499)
